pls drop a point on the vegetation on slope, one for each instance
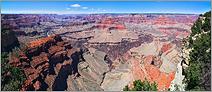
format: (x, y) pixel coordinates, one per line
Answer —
(142, 86)
(11, 77)
(198, 74)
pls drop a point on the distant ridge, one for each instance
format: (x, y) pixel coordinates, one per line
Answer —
(111, 14)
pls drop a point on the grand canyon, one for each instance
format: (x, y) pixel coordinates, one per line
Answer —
(91, 52)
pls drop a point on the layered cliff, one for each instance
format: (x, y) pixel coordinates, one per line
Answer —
(53, 64)
(100, 55)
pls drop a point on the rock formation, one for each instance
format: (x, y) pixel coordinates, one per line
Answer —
(98, 52)
(51, 63)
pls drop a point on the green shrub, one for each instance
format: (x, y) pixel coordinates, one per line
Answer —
(11, 77)
(198, 72)
(142, 86)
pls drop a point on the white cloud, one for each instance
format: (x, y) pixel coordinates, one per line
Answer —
(84, 7)
(75, 5)
(68, 8)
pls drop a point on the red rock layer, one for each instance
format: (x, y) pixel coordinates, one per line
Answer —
(49, 51)
(166, 47)
(162, 20)
(40, 42)
(150, 71)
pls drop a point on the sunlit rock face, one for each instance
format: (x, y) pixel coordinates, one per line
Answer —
(44, 62)
(156, 62)
(99, 52)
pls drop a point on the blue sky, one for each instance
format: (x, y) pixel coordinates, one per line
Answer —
(104, 7)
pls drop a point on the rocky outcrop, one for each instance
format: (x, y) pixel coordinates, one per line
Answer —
(156, 62)
(39, 61)
(117, 78)
(124, 50)
(51, 63)
(95, 66)
(93, 70)
(118, 49)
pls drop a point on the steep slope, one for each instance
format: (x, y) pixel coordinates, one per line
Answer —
(8, 39)
(53, 64)
(11, 77)
(198, 72)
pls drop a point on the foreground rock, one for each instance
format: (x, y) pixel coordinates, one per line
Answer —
(52, 64)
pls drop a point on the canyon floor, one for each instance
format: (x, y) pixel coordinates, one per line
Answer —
(100, 52)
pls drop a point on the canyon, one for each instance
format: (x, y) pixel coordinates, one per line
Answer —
(97, 52)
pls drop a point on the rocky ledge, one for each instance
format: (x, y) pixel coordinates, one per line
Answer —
(53, 64)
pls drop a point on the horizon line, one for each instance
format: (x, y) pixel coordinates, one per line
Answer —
(110, 13)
